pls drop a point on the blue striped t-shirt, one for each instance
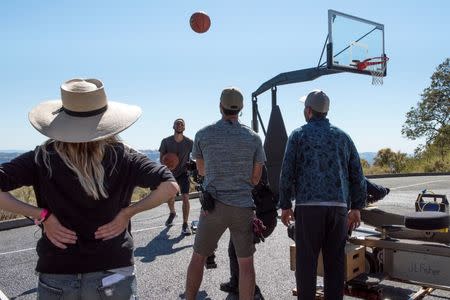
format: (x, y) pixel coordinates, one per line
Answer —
(229, 150)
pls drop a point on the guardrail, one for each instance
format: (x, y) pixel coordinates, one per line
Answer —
(407, 175)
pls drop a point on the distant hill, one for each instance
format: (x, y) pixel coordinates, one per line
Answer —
(369, 156)
(152, 154)
(7, 155)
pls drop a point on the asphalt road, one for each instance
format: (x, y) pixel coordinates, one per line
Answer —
(162, 254)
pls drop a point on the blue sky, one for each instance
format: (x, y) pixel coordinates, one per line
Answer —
(146, 54)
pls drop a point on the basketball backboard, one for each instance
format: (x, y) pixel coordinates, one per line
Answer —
(355, 45)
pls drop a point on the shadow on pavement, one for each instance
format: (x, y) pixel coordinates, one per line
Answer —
(31, 291)
(390, 292)
(160, 245)
(201, 295)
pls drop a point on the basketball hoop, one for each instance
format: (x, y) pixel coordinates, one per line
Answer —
(376, 66)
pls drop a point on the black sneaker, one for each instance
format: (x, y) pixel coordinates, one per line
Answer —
(228, 287)
(169, 221)
(185, 229)
(258, 295)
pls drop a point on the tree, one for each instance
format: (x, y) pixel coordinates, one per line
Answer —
(395, 161)
(364, 163)
(383, 157)
(442, 141)
(431, 117)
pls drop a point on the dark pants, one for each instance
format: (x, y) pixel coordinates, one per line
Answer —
(320, 228)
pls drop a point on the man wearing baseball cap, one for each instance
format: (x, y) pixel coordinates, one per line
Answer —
(230, 156)
(322, 165)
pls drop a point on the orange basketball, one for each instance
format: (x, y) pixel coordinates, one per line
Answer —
(170, 160)
(200, 22)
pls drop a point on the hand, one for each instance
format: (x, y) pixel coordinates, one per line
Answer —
(58, 234)
(354, 219)
(115, 227)
(287, 216)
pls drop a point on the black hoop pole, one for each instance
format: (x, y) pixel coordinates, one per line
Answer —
(274, 96)
(262, 124)
(255, 113)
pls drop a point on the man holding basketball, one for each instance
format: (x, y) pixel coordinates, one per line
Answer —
(230, 156)
(181, 146)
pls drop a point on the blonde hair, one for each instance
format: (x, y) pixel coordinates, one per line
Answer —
(85, 160)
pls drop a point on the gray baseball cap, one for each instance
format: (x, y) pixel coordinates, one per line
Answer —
(232, 99)
(317, 100)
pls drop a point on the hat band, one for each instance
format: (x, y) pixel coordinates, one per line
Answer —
(84, 114)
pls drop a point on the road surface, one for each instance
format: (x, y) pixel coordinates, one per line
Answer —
(162, 254)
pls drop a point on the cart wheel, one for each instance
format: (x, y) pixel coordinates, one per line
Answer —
(427, 220)
(371, 263)
(378, 255)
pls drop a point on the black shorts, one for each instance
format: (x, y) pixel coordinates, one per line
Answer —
(183, 182)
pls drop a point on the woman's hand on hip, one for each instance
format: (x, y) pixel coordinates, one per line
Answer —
(58, 234)
(115, 227)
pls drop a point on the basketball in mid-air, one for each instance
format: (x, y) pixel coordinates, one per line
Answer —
(200, 22)
(170, 160)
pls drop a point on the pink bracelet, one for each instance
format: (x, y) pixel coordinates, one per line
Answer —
(42, 216)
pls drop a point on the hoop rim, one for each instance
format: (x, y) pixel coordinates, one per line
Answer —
(362, 65)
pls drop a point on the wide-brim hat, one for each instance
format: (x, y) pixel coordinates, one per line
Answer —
(83, 114)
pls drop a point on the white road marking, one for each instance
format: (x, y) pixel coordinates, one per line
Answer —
(17, 251)
(416, 184)
(2, 296)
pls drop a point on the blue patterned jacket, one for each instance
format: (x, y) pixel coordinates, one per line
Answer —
(321, 167)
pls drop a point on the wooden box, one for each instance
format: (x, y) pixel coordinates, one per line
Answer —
(354, 261)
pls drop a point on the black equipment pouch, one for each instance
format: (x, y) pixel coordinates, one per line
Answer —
(207, 201)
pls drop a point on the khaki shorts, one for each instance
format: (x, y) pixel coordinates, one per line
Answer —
(212, 226)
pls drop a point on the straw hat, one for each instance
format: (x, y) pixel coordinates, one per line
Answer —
(83, 114)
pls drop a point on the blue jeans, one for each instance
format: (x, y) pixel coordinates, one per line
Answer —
(85, 286)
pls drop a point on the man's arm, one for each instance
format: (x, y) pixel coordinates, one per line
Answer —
(258, 162)
(256, 173)
(162, 150)
(358, 190)
(288, 176)
(287, 179)
(357, 180)
(200, 166)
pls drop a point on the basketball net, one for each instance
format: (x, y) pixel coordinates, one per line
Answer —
(377, 72)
